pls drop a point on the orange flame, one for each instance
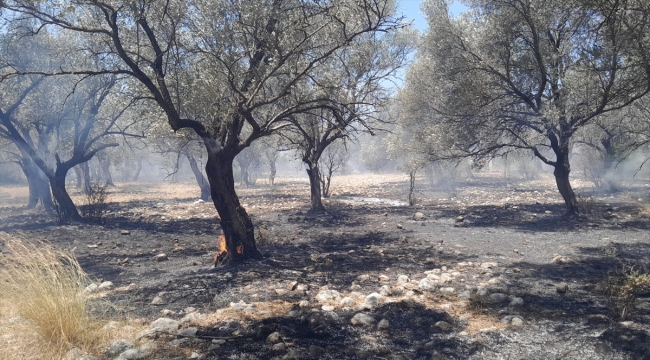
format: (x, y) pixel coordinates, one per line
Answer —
(240, 249)
(222, 244)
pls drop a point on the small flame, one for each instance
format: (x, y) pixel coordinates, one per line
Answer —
(240, 249)
(222, 244)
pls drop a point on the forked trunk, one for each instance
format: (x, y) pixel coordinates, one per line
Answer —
(200, 179)
(236, 224)
(67, 211)
(315, 186)
(272, 173)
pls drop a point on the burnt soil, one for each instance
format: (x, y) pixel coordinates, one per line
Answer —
(510, 234)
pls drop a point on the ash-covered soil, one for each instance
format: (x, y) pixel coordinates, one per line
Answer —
(486, 269)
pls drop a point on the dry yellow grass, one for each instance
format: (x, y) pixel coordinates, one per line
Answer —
(43, 310)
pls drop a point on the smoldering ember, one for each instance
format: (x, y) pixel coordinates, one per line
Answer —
(324, 179)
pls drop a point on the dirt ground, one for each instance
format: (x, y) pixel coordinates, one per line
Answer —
(480, 237)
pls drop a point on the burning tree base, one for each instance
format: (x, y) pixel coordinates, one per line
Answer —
(222, 256)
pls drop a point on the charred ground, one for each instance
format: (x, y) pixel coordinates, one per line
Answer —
(488, 233)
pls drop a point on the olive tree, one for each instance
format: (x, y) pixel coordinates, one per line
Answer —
(526, 74)
(231, 71)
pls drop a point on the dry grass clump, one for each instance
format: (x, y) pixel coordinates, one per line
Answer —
(43, 310)
(622, 288)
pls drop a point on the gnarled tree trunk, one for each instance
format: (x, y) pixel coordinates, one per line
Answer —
(235, 222)
(561, 173)
(314, 185)
(200, 179)
(66, 208)
(39, 188)
(79, 174)
(105, 164)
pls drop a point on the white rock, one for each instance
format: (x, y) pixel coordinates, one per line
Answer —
(427, 284)
(118, 347)
(90, 288)
(517, 321)
(158, 301)
(433, 277)
(383, 324)
(403, 279)
(465, 295)
(363, 278)
(328, 295)
(444, 278)
(303, 303)
(160, 257)
(348, 302)
(238, 306)
(193, 317)
(516, 302)
(273, 337)
(373, 299)
(165, 325)
(362, 319)
(497, 297)
(447, 290)
(489, 265)
(190, 331)
(327, 308)
(385, 290)
(133, 354)
(106, 285)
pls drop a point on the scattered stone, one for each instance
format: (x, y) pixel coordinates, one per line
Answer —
(118, 347)
(418, 216)
(133, 354)
(447, 290)
(516, 302)
(399, 226)
(293, 354)
(158, 300)
(459, 219)
(348, 302)
(481, 291)
(238, 306)
(383, 324)
(385, 290)
(106, 285)
(465, 295)
(273, 337)
(403, 279)
(189, 332)
(373, 299)
(327, 308)
(90, 288)
(165, 325)
(160, 257)
(384, 278)
(193, 317)
(316, 351)
(305, 303)
(427, 284)
(517, 321)
(489, 265)
(328, 295)
(279, 347)
(363, 278)
(281, 292)
(443, 325)
(125, 232)
(444, 278)
(497, 297)
(362, 319)
(292, 285)
(562, 287)
(562, 260)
